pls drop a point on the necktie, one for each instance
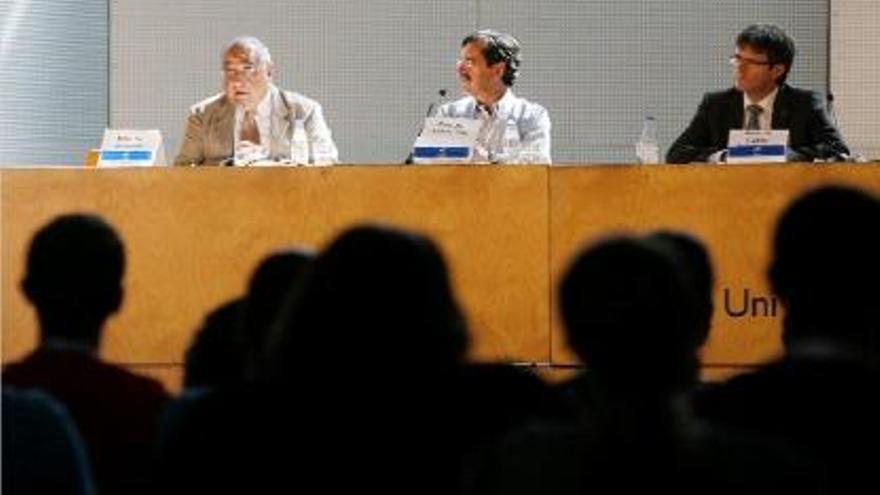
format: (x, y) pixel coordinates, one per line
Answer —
(754, 111)
(249, 130)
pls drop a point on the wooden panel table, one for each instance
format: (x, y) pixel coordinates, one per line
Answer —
(194, 235)
(732, 208)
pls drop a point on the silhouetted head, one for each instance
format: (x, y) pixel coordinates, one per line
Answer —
(826, 261)
(217, 354)
(376, 296)
(269, 288)
(696, 265)
(74, 276)
(629, 315)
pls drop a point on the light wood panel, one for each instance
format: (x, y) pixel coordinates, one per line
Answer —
(732, 208)
(194, 235)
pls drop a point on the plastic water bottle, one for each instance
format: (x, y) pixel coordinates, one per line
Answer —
(647, 149)
(299, 144)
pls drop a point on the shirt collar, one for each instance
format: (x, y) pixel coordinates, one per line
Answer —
(501, 107)
(766, 103)
(264, 108)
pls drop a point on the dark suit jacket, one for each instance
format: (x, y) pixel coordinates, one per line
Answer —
(823, 405)
(115, 410)
(802, 112)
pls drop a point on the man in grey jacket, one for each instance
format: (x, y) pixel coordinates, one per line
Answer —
(252, 120)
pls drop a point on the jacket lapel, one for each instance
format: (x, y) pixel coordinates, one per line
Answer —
(223, 128)
(735, 111)
(781, 109)
(282, 114)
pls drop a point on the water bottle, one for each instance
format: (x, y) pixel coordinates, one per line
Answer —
(647, 149)
(299, 144)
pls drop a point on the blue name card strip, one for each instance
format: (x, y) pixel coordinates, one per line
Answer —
(456, 152)
(756, 150)
(130, 155)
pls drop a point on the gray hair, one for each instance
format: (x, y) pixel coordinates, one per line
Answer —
(256, 50)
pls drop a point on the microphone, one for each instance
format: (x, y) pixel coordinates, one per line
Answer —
(430, 113)
(833, 154)
(433, 104)
(832, 114)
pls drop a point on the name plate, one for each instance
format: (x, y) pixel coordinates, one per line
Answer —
(446, 140)
(757, 146)
(131, 148)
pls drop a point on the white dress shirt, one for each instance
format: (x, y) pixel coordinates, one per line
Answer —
(514, 130)
(311, 134)
(765, 119)
(263, 117)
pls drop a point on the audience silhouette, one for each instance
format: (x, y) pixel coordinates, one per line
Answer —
(42, 449)
(349, 369)
(74, 280)
(818, 397)
(632, 313)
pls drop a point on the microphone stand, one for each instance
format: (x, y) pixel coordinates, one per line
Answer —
(430, 112)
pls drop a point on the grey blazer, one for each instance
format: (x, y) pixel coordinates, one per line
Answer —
(210, 126)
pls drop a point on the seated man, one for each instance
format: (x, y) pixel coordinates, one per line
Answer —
(73, 278)
(252, 119)
(513, 130)
(760, 100)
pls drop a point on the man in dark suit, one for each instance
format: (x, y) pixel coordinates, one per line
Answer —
(760, 100)
(74, 279)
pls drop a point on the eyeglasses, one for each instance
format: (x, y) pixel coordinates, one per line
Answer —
(738, 59)
(244, 70)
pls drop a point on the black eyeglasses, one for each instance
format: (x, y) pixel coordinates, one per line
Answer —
(740, 60)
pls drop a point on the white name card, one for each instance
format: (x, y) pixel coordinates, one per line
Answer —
(131, 148)
(446, 140)
(757, 146)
